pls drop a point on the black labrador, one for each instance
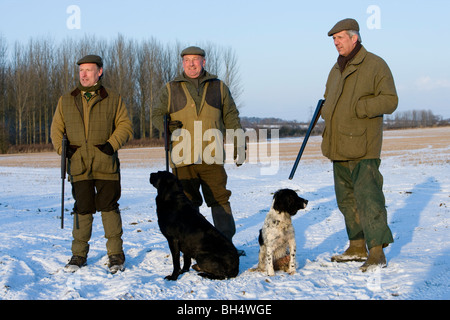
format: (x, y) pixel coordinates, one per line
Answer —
(187, 231)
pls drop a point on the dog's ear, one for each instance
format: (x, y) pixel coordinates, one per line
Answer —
(279, 201)
(154, 179)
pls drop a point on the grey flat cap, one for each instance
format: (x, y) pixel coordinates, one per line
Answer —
(193, 50)
(346, 24)
(91, 58)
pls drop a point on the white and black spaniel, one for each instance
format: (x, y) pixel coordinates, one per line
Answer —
(277, 237)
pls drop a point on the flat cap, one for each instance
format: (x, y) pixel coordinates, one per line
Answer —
(346, 24)
(91, 58)
(193, 50)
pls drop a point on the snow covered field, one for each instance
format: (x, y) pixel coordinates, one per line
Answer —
(34, 249)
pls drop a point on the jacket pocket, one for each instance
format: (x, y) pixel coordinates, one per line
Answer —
(104, 163)
(76, 165)
(352, 142)
(325, 146)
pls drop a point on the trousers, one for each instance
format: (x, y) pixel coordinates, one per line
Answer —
(359, 194)
(212, 179)
(92, 196)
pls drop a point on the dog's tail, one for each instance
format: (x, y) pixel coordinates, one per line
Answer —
(212, 276)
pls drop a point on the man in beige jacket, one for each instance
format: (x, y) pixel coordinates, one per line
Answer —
(198, 102)
(97, 125)
(359, 90)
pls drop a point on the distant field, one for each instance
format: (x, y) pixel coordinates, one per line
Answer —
(416, 146)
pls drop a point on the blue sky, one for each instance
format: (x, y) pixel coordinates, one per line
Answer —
(283, 49)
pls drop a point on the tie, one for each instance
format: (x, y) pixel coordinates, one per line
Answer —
(88, 96)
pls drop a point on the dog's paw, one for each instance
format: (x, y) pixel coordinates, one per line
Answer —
(172, 277)
(184, 270)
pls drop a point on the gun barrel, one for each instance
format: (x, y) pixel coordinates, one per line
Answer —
(63, 174)
(166, 139)
(314, 120)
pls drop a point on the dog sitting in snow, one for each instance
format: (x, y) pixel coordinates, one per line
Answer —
(277, 234)
(187, 231)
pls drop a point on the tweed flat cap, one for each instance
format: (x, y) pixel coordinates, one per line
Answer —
(193, 50)
(346, 24)
(91, 58)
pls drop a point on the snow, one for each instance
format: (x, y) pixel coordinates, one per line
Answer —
(34, 249)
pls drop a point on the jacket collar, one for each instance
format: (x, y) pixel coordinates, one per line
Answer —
(358, 59)
(102, 92)
(207, 77)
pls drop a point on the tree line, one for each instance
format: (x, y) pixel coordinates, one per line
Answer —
(414, 119)
(397, 120)
(35, 74)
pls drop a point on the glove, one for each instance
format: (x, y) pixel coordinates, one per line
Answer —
(106, 148)
(240, 153)
(174, 125)
(71, 149)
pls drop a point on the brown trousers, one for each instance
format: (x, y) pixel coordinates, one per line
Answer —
(91, 196)
(212, 179)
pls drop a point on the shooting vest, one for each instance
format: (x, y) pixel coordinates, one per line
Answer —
(201, 138)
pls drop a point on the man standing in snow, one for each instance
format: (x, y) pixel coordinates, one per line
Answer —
(197, 101)
(97, 125)
(359, 90)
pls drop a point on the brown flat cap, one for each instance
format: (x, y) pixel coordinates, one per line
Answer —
(193, 50)
(91, 58)
(346, 24)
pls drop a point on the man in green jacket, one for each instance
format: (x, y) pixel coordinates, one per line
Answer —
(97, 125)
(359, 90)
(201, 109)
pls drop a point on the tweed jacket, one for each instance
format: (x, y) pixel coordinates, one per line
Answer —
(108, 122)
(356, 101)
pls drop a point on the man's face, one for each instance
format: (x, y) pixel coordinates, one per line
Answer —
(193, 65)
(344, 43)
(89, 74)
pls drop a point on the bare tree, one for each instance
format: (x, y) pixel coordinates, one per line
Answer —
(4, 134)
(149, 81)
(120, 72)
(231, 74)
(19, 87)
(40, 71)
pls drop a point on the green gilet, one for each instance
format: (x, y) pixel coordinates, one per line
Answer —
(200, 140)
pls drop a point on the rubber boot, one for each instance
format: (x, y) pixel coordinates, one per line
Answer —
(376, 258)
(223, 220)
(356, 251)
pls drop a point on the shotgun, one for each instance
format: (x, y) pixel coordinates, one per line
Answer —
(314, 120)
(63, 174)
(166, 139)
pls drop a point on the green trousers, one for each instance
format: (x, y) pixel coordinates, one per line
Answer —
(359, 194)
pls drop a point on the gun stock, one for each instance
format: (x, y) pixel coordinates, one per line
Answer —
(63, 174)
(314, 120)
